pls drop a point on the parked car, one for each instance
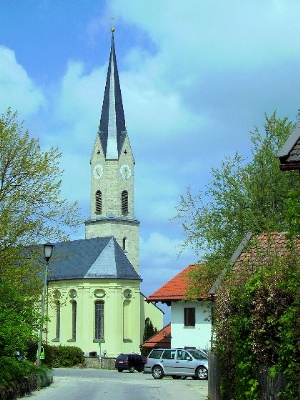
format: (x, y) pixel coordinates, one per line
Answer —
(130, 362)
(177, 363)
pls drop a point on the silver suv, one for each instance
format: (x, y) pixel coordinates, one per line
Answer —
(177, 363)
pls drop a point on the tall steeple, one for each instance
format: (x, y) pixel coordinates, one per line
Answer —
(112, 128)
(112, 172)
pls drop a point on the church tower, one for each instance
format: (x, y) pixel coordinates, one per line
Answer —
(112, 173)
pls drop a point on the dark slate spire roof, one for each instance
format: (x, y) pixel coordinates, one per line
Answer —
(95, 258)
(112, 128)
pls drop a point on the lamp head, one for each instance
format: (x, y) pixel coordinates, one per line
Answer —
(48, 248)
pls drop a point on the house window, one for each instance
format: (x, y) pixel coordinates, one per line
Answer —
(98, 202)
(189, 316)
(74, 319)
(57, 320)
(124, 243)
(124, 201)
(99, 320)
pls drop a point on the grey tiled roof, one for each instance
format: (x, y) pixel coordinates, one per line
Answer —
(95, 258)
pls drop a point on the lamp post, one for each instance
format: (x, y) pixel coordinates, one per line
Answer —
(48, 248)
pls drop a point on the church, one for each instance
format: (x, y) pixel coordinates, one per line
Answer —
(93, 293)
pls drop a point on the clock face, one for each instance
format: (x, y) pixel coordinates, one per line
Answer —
(125, 171)
(98, 171)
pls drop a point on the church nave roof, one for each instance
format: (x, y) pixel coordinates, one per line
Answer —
(96, 258)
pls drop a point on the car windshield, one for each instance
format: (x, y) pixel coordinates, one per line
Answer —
(122, 357)
(198, 354)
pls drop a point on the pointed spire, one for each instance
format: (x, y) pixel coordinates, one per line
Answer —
(112, 122)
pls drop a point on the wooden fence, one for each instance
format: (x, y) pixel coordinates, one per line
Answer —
(269, 388)
(214, 376)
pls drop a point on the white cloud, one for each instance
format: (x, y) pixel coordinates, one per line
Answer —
(161, 112)
(17, 90)
(223, 33)
(77, 104)
(160, 249)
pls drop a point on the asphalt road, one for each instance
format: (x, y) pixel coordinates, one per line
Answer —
(95, 384)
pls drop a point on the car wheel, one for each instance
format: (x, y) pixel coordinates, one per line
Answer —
(157, 372)
(120, 370)
(201, 373)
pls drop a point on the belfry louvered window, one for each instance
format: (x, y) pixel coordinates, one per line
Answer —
(98, 202)
(124, 202)
(99, 320)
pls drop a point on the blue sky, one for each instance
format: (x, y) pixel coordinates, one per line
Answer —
(196, 78)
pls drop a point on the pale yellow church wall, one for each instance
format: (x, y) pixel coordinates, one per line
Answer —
(114, 340)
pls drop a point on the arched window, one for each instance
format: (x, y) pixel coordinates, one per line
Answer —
(99, 320)
(98, 202)
(57, 320)
(74, 319)
(124, 201)
(124, 243)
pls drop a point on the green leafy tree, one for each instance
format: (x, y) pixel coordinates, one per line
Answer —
(292, 212)
(149, 330)
(242, 196)
(256, 308)
(257, 323)
(31, 212)
(30, 189)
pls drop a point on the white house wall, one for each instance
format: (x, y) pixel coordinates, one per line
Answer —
(198, 336)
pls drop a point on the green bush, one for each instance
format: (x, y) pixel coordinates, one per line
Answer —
(66, 356)
(259, 332)
(18, 378)
(58, 356)
(44, 377)
(11, 369)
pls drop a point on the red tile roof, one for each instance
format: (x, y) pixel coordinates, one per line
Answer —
(266, 247)
(261, 251)
(176, 288)
(161, 339)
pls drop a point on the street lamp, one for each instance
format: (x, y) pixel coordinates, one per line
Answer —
(48, 248)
